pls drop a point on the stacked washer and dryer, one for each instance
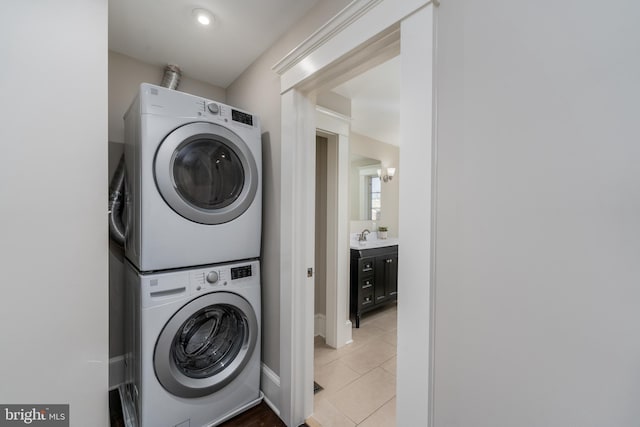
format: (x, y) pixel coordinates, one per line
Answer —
(193, 209)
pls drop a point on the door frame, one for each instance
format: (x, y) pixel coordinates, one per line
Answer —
(364, 34)
(335, 127)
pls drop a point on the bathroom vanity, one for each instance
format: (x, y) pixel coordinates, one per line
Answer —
(374, 277)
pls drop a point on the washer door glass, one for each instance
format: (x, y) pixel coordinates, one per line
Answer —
(209, 341)
(206, 173)
(206, 344)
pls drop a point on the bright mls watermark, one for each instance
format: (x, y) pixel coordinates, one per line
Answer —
(34, 415)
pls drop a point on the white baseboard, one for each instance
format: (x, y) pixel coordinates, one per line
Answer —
(116, 372)
(320, 325)
(270, 385)
(348, 332)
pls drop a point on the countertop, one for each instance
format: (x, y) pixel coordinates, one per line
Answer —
(376, 243)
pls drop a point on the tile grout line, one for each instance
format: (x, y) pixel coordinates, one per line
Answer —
(371, 414)
(371, 334)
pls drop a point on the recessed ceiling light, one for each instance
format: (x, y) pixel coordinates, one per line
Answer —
(203, 16)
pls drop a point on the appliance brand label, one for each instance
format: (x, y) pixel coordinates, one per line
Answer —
(34, 415)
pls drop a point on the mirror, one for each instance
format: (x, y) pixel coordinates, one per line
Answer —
(364, 188)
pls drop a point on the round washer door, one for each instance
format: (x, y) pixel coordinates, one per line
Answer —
(206, 173)
(205, 345)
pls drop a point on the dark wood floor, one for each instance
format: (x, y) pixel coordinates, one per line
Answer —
(258, 416)
(115, 409)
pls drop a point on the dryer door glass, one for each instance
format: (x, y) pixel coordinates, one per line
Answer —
(209, 341)
(208, 174)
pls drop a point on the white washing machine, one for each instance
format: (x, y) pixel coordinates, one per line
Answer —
(194, 181)
(193, 344)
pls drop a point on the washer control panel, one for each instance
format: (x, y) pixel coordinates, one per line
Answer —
(241, 272)
(212, 277)
(224, 276)
(204, 279)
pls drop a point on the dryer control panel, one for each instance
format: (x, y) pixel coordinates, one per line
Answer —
(241, 272)
(241, 117)
(225, 112)
(159, 100)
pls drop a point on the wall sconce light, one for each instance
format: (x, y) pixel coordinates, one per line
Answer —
(388, 176)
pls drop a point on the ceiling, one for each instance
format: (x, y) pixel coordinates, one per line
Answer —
(160, 32)
(375, 102)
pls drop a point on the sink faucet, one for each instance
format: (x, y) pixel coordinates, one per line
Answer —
(363, 235)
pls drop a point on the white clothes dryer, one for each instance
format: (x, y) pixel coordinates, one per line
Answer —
(193, 344)
(194, 181)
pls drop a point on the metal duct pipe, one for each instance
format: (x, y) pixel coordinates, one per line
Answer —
(117, 228)
(171, 78)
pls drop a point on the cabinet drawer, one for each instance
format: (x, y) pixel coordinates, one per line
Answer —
(366, 284)
(366, 298)
(366, 265)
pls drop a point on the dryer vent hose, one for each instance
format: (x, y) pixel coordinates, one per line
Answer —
(171, 78)
(117, 229)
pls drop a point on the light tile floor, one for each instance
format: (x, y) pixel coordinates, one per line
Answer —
(359, 379)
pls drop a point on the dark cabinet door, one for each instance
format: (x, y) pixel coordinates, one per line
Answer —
(391, 275)
(386, 283)
(380, 292)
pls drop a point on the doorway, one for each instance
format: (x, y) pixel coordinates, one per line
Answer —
(347, 374)
(320, 284)
(321, 59)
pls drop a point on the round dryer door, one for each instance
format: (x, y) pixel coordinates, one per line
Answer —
(206, 173)
(205, 345)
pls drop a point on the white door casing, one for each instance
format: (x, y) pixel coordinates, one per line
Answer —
(297, 255)
(337, 323)
(336, 49)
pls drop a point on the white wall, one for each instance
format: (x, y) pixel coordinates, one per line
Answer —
(125, 76)
(538, 234)
(54, 327)
(334, 102)
(258, 90)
